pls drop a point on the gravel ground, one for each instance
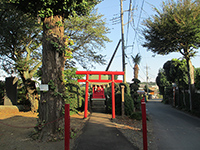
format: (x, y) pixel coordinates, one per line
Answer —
(16, 128)
(132, 130)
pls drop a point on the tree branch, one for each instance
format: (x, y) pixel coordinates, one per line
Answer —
(35, 68)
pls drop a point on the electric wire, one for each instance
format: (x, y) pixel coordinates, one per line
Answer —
(128, 22)
(138, 23)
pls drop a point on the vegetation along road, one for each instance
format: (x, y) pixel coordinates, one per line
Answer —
(174, 130)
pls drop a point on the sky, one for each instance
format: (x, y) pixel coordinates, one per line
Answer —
(142, 9)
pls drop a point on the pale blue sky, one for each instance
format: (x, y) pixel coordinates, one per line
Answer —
(111, 9)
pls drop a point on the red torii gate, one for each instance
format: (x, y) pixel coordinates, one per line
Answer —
(113, 81)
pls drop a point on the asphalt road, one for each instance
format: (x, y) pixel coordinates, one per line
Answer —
(173, 129)
(101, 134)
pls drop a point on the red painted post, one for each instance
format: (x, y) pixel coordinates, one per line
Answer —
(113, 97)
(86, 96)
(144, 124)
(67, 127)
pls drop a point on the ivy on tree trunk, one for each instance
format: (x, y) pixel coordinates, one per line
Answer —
(53, 62)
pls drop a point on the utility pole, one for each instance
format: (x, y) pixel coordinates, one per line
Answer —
(123, 48)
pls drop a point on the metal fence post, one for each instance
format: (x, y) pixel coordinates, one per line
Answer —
(67, 127)
(144, 124)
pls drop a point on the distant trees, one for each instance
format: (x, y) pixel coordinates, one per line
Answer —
(175, 29)
(161, 81)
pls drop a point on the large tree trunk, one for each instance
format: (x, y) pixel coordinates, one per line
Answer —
(53, 61)
(32, 95)
(190, 79)
(31, 91)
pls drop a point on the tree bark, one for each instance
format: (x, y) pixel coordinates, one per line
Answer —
(190, 79)
(136, 71)
(53, 61)
(32, 95)
(31, 91)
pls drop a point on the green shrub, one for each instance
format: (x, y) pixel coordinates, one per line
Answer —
(126, 89)
(128, 104)
(136, 115)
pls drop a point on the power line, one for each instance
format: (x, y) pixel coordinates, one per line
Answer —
(138, 22)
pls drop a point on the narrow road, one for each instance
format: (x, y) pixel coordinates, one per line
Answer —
(173, 129)
(101, 134)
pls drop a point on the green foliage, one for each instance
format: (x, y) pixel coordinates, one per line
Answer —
(161, 81)
(176, 72)
(108, 91)
(74, 93)
(128, 104)
(126, 89)
(136, 115)
(20, 41)
(168, 95)
(136, 59)
(47, 8)
(133, 90)
(89, 35)
(174, 29)
(21, 94)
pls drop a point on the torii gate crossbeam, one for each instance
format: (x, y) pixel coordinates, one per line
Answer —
(113, 81)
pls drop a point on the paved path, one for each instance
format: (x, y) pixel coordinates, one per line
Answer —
(101, 134)
(174, 130)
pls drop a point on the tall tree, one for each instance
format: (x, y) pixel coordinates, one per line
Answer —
(20, 51)
(136, 61)
(55, 52)
(175, 29)
(176, 72)
(89, 35)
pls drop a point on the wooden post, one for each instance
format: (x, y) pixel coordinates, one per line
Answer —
(67, 127)
(123, 112)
